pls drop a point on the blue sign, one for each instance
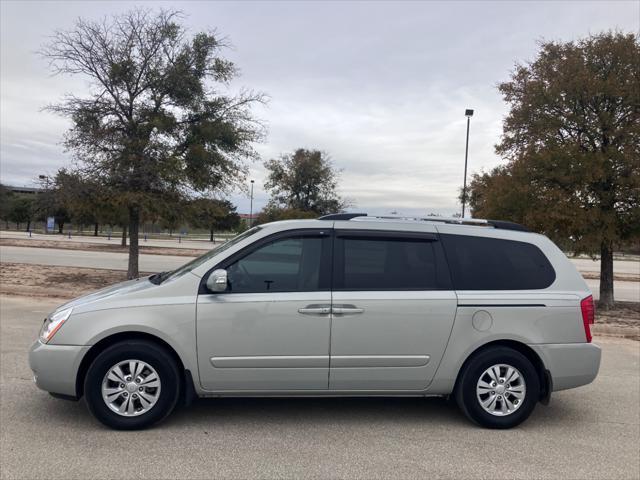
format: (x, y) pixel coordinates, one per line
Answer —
(51, 222)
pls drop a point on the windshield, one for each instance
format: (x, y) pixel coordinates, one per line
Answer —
(187, 267)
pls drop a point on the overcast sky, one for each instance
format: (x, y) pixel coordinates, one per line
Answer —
(381, 86)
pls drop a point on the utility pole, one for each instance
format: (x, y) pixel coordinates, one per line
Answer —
(468, 113)
(45, 179)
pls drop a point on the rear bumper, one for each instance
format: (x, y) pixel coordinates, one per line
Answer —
(570, 364)
(55, 367)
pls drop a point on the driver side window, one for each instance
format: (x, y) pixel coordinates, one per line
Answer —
(290, 264)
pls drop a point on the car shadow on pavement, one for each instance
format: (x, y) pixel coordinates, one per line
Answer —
(281, 411)
(309, 412)
(343, 410)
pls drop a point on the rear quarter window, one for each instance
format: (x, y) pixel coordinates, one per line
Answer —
(481, 263)
(388, 262)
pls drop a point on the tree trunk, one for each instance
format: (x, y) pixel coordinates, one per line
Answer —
(95, 229)
(134, 224)
(61, 228)
(211, 234)
(606, 275)
(124, 236)
(28, 225)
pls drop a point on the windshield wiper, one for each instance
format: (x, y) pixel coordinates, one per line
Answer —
(158, 278)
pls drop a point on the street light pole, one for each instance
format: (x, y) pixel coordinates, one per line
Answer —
(251, 207)
(45, 179)
(468, 113)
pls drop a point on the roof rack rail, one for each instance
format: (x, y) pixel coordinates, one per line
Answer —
(342, 216)
(454, 220)
(504, 225)
(501, 224)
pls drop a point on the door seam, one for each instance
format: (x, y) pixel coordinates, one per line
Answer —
(333, 247)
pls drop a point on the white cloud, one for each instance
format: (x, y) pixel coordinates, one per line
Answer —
(381, 86)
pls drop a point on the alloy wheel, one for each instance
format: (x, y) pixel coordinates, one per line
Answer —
(131, 388)
(501, 390)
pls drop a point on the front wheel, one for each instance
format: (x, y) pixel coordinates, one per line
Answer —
(499, 388)
(132, 385)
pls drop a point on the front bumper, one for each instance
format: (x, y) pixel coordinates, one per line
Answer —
(55, 367)
(570, 364)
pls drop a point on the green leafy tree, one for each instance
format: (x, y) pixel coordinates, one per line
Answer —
(5, 204)
(273, 213)
(304, 181)
(214, 215)
(572, 142)
(172, 215)
(49, 203)
(156, 120)
(21, 210)
(85, 200)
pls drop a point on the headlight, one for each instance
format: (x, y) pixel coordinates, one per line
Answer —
(53, 323)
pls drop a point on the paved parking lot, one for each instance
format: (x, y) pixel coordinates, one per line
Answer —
(591, 432)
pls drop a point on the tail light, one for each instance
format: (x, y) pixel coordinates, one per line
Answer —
(588, 315)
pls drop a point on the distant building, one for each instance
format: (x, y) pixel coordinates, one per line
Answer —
(246, 219)
(24, 190)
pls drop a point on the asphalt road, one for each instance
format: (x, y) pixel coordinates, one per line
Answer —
(624, 267)
(168, 242)
(624, 291)
(621, 267)
(590, 432)
(88, 259)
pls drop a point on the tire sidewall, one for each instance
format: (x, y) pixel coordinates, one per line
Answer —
(476, 367)
(152, 354)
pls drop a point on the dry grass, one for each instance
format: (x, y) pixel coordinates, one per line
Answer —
(52, 281)
(619, 277)
(623, 320)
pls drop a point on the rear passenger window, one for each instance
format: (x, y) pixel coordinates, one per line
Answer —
(389, 263)
(480, 263)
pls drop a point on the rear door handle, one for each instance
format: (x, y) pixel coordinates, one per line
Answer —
(315, 309)
(346, 310)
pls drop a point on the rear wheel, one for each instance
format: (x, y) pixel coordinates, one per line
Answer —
(499, 388)
(132, 385)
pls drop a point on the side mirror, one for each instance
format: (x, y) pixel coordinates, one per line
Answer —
(217, 281)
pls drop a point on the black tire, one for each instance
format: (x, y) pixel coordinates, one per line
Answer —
(154, 355)
(466, 388)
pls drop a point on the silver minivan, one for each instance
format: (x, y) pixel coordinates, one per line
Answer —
(482, 311)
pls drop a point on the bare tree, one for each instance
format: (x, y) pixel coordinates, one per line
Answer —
(155, 121)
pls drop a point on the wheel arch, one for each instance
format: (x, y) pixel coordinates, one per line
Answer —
(543, 374)
(114, 338)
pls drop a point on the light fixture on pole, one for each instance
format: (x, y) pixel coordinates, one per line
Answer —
(468, 113)
(251, 207)
(44, 179)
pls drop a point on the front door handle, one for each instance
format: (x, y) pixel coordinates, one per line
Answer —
(346, 309)
(315, 309)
